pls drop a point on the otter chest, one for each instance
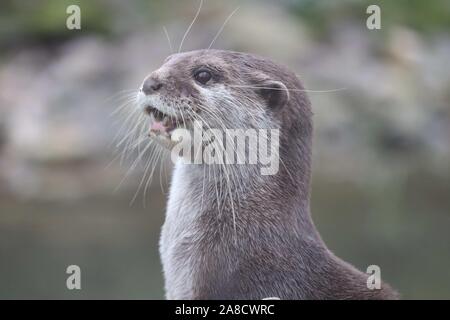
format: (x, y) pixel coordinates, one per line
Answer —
(178, 236)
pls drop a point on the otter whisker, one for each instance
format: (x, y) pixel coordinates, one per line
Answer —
(203, 189)
(124, 143)
(214, 143)
(168, 39)
(228, 183)
(139, 142)
(222, 27)
(144, 175)
(121, 95)
(222, 125)
(289, 89)
(162, 168)
(112, 161)
(162, 160)
(122, 108)
(157, 160)
(126, 123)
(190, 26)
(132, 142)
(131, 133)
(230, 102)
(131, 169)
(150, 176)
(195, 118)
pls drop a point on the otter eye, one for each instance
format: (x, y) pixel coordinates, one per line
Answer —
(203, 76)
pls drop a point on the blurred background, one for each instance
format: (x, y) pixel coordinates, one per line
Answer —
(381, 184)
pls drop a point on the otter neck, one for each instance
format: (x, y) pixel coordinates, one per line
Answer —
(240, 197)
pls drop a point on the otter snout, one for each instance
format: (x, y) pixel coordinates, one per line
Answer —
(151, 85)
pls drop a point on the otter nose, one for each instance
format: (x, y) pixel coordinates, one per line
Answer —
(151, 85)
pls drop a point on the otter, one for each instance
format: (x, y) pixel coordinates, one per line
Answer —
(237, 234)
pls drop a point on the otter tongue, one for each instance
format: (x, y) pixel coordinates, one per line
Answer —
(159, 126)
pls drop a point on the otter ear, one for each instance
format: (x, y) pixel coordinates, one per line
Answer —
(274, 93)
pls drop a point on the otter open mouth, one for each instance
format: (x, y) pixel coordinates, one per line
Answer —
(161, 123)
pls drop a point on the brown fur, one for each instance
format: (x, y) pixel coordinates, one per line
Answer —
(272, 248)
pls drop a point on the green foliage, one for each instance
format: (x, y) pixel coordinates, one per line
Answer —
(423, 16)
(23, 21)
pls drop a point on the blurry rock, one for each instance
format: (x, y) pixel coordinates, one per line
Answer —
(56, 103)
(390, 101)
(270, 31)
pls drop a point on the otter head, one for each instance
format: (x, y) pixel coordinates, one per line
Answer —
(222, 89)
